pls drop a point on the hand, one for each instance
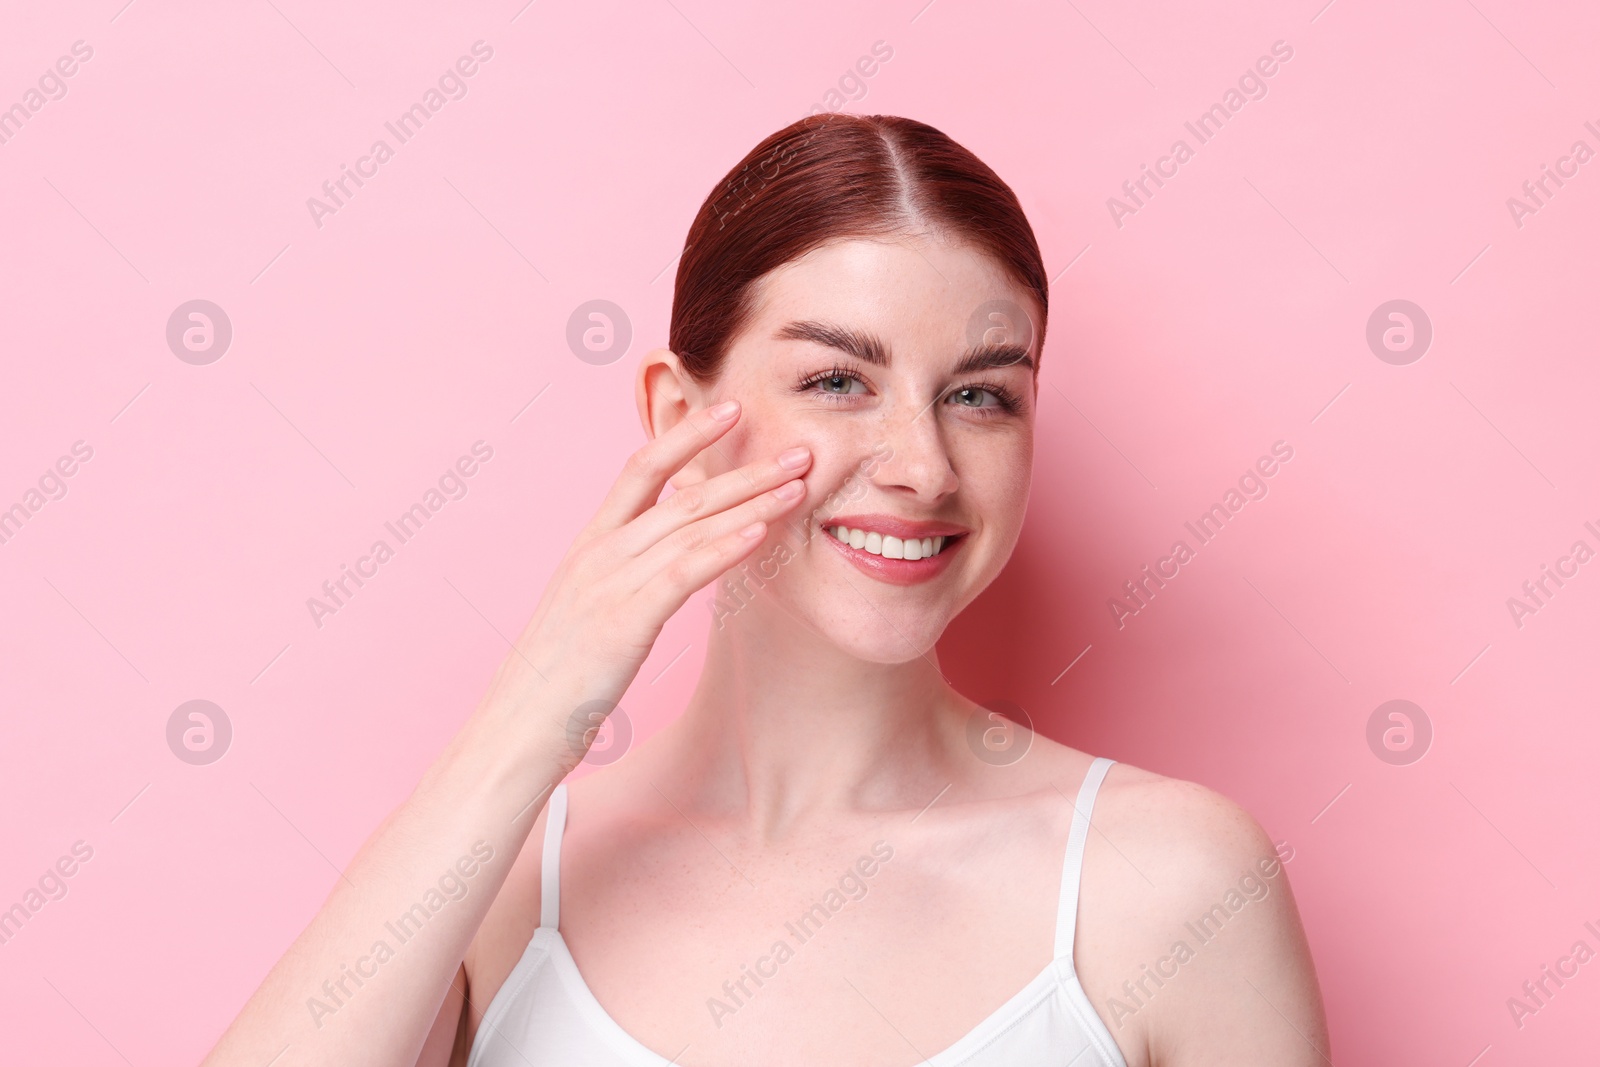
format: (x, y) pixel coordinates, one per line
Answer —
(631, 568)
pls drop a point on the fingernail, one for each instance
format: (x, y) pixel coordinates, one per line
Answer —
(724, 411)
(789, 490)
(795, 458)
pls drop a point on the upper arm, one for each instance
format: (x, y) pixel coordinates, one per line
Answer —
(495, 948)
(444, 1046)
(1246, 992)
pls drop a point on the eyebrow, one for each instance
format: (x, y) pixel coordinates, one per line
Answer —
(870, 349)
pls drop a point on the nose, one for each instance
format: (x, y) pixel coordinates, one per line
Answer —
(918, 462)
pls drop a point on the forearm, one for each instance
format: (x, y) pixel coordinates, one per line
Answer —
(363, 982)
(362, 986)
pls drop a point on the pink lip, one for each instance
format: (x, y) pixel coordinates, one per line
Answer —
(898, 527)
(896, 571)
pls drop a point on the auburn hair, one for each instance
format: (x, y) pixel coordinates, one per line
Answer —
(826, 177)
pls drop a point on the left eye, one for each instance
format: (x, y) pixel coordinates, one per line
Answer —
(972, 397)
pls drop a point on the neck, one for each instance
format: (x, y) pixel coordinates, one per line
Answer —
(786, 726)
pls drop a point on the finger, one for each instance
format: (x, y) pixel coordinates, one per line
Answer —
(667, 591)
(766, 508)
(645, 473)
(711, 497)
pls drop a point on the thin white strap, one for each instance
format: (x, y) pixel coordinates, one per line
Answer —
(1072, 866)
(550, 866)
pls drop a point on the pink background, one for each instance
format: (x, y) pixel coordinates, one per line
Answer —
(1228, 313)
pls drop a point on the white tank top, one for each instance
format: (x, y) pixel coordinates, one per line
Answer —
(545, 1014)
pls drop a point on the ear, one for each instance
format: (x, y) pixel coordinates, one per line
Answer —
(666, 395)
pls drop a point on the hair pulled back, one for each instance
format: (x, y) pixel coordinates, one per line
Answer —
(827, 177)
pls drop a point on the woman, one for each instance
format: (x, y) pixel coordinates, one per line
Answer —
(826, 858)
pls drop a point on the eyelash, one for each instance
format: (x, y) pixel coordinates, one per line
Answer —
(1008, 402)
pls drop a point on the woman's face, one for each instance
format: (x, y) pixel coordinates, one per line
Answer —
(856, 350)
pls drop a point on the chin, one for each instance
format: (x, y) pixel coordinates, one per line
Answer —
(878, 632)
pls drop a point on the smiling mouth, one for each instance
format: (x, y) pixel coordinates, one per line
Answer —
(890, 547)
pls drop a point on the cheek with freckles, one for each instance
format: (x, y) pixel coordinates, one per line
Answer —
(834, 490)
(845, 460)
(750, 441)
(837, 445)
(997, 490)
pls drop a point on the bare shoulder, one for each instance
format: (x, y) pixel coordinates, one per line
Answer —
(1175, 838)
(1190, 945)
(1186, 831)
(1175, 824)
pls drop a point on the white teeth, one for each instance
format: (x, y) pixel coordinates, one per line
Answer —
(887, 546)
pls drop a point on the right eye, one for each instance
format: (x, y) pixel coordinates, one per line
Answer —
(835, 382)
